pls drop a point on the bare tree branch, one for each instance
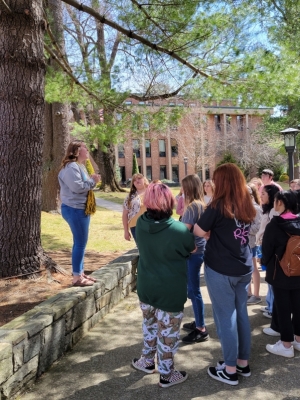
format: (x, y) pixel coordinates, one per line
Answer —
(146, 42)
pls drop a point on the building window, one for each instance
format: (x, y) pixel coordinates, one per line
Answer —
(163, 172)
(121, 151)
(149, 172)
(136, 148)
(128, 102)
(218, 122)
(148, 148)
(240, 119)
(162, 148)
(174, 148)
(122, 174)
(175, 173)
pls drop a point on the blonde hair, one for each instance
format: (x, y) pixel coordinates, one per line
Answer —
(132, 190)
(211, 184)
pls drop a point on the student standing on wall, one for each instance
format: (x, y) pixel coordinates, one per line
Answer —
(75, 183)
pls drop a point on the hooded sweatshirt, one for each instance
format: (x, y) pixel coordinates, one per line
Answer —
(273, 247)
(164, 247)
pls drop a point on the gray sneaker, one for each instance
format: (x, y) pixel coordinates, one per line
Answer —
(254, 300)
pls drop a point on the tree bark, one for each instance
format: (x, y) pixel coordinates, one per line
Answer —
(22, 71)
(56, 124)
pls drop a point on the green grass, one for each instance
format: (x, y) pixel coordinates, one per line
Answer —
(115, 197)
(105, 235)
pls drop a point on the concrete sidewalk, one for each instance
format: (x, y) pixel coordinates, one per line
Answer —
(109, 205)
(99, 367)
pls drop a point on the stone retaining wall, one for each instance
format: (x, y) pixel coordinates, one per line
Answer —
(31, 343)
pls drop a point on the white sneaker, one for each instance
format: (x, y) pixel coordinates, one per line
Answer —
(264, 309)
(269, 331)
(279, 349)
(296, 345)
(267, 314)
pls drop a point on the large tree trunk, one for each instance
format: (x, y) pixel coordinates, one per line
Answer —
(106, 162)
(56, 124)
(22, 71)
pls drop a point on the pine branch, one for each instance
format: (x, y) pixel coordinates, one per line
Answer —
(146, 42)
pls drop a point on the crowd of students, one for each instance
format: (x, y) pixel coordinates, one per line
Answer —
(224, 229)
(225, 225)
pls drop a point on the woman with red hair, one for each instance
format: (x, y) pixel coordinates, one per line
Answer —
(164, 245)
(228, 267)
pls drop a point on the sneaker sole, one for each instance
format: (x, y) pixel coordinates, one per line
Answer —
(166, 385)
(246, 375)
(277, 354)
(232, 383)
(275, 334)
(148, 371)
(253, 303)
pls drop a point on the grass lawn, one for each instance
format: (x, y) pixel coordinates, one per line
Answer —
(105, 235)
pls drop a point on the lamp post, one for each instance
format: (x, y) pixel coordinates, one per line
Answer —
(185, 160)
(289, 136)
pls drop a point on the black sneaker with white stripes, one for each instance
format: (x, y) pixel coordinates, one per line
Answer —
(243, 371)
(219, 374)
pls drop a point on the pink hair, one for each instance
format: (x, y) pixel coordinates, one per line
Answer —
(159, 197)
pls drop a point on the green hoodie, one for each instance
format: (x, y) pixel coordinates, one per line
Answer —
(164, 247)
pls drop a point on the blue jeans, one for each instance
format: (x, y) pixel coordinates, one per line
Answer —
(132, 230)
(270, 298)
(229, 295)
(194, 263)
(79, 224)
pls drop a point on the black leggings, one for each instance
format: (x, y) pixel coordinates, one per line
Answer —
(287, 302)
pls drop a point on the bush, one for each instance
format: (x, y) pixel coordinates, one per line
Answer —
(283, 178)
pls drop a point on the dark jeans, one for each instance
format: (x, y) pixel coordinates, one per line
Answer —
(79, 224)
(287, 303)
(132, 230)
(194, 263)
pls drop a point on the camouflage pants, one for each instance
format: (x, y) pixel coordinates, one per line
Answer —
(161, 331)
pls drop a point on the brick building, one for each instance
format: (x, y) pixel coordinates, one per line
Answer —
(195, 145)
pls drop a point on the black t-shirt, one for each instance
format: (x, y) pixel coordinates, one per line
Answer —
(227, 251)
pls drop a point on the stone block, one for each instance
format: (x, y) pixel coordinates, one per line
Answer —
(37, 323)
(83, 311)
(81, 331)
(6, 361)
(18, 380)
(110, 279)
(126, 281)
(13, 337)
(32, 347)
(69, 318)
(18, 355)
(68, 342)
(100, 289)
(53, 345)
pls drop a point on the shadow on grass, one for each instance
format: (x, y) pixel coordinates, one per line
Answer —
(51, 244)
